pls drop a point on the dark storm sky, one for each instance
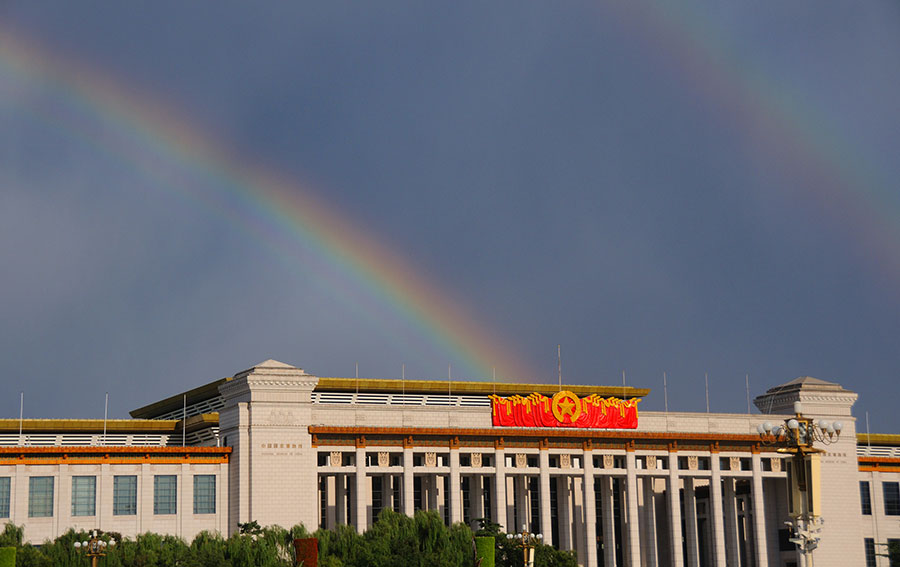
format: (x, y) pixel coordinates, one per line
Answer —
(707, 190)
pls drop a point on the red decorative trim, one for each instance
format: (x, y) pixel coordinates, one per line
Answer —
(699, 438)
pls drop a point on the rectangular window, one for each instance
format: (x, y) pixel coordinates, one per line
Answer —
(893, 544)
(865, 497)
(4, 496)
(204, 494)
(84, 495)
(870, 552)
(124, 495)
(40, 497)
(165, 494)
(891, 498)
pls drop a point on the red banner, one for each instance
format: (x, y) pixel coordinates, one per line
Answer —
(565, 409)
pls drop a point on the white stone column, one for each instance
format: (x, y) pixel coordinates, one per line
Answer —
(105, 495)
(759, 513)
(387, 491)
(432, 492)
(361, 492)
(590, 509)
(578, 517)
(408, 484)
(716, 514)
(546, 519)
(500, 488)
(454, 487)
(145, 504)
(476, 496)
(18, 493)
(564, 508)
(631, 496)
(676, 551)
(522, 515)
(185, 500)
(649, 524)
(609, 521)
(729, 503)
(690, 522)
(341, 499)
(331, 503)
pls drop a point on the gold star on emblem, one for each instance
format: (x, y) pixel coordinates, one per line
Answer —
(566, 407)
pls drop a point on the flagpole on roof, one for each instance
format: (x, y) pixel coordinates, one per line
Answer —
(706, 378)
(559, 365)
(21, 414)
(105, 415)
(747, 376)
(666, 391)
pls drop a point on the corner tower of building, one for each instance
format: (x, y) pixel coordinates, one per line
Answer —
(264, 419)
(841, 532)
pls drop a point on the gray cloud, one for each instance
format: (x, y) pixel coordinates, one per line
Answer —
(551, 165)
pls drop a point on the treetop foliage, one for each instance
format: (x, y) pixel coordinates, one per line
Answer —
(394, 540)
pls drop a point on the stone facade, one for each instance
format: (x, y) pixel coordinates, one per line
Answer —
(683, 489)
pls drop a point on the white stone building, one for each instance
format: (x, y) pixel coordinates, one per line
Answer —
(279, 446)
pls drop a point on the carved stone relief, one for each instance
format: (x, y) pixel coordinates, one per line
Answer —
(735, 463)
(476, 459)
(565, 461)
(693, 462)
(776, 464)
(336, 458)
(651, 462)
(430, 459)
(384, 459)
(608, 461)
(521, 460)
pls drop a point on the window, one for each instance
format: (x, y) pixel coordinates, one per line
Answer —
(165, 494)
(40, 497)
(4, 497)
(865, 497)
(204, 494)
(870, 552)
(892, 544)
(124, 495)
(84, 495)
(891, 498)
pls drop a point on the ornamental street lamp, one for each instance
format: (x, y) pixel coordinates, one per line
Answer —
(526, 541)
(95, 548)
(796, 437)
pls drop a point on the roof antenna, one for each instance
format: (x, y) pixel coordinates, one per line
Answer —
(559, 365)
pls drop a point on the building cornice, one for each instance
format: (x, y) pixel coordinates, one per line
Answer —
(459, 387)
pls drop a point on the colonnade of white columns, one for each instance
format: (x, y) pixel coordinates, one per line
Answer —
(622, 508)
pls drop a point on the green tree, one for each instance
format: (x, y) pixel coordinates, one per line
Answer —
(11, 535)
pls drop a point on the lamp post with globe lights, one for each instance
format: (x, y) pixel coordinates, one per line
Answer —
(527, 541)
(796, 437)
(95, 548)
